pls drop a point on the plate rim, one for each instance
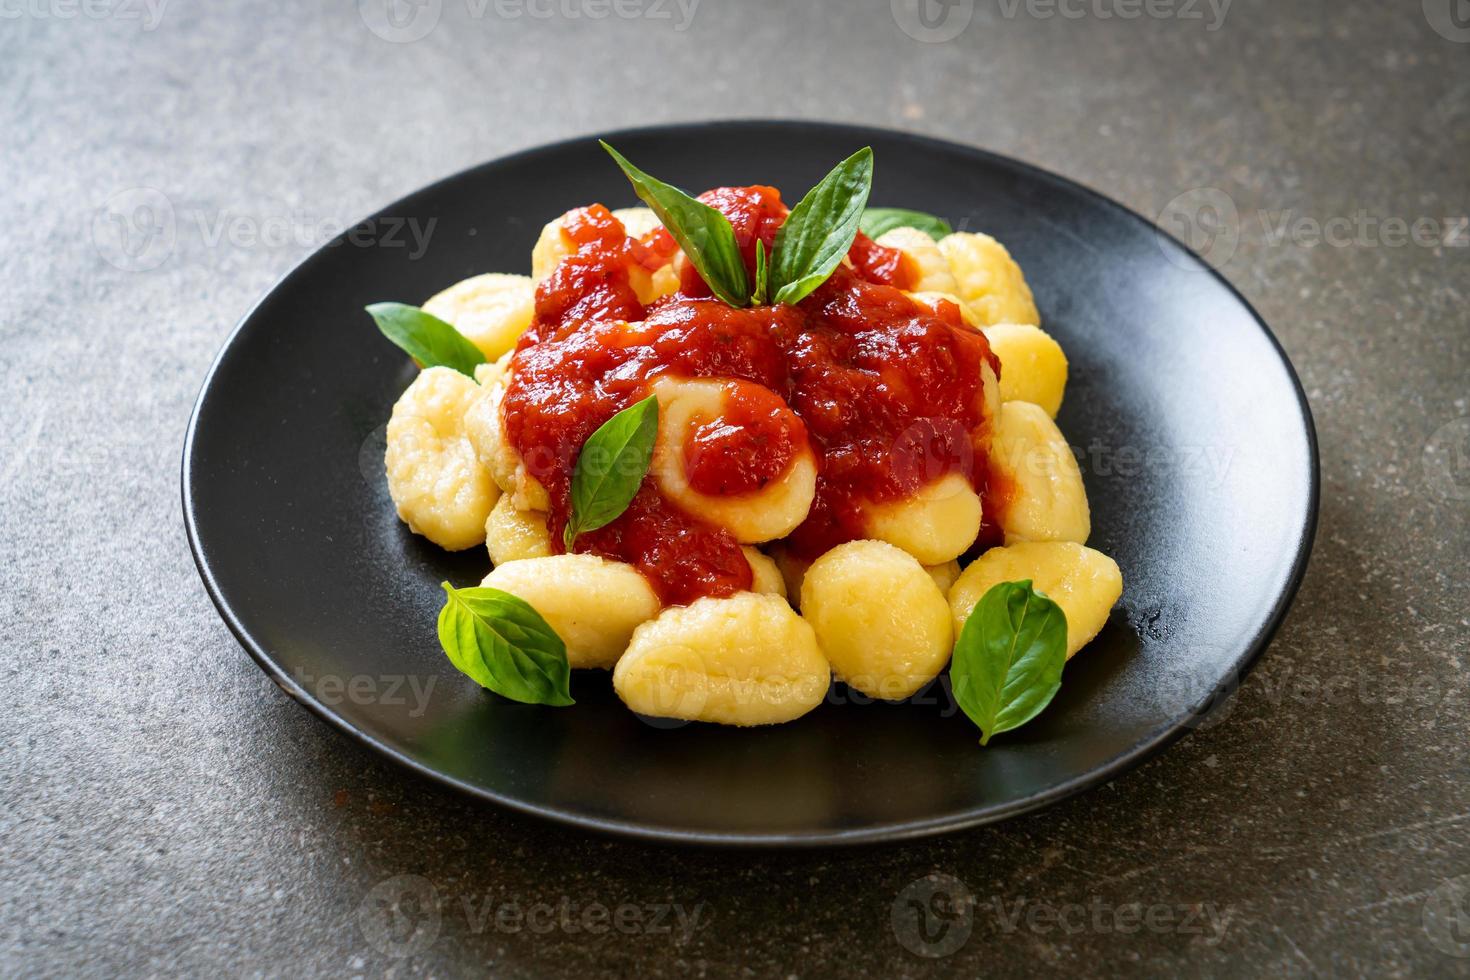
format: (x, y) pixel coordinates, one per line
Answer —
(887, 832)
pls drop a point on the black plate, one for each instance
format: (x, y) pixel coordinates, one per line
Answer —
(1197, 447)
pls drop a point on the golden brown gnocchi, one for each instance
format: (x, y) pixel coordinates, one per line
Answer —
(594, 605)
(1047, 501)
(933, 299)
(1084, 582)
(880, 619)
(636, 222)
(1032, 365)
(933, 267)
(753, 517)
(764, 575)
(552, 245)
(743, 660)
(492, 310)
(988, 279)
(512, 535)
(437, 483)
(944, 575)
(484, 426)
(935, 526)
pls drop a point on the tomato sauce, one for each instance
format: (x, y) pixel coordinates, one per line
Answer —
(751, 443)
(886, 391)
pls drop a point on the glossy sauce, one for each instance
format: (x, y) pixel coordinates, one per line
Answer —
(750, 444)
(886, 391)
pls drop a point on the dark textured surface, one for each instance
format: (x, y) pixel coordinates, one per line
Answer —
(152, 826)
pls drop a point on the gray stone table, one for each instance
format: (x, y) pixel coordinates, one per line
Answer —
(217, 828)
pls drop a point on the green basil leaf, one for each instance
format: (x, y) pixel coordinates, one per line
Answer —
(1009, 658)
(878, 220)
(499, 641)
(611, 467)
(426, 338)
(702, 232)
(820, 230)
(762, 275)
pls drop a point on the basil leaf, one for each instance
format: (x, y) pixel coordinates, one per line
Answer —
(426, 338)
(611, 467)
(1009, 658)
(878, 220)
(499, 641)
(762, 275)
(702, 232)
(820, 229)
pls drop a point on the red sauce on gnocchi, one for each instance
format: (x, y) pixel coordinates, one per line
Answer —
(885, 391)
(751, 443)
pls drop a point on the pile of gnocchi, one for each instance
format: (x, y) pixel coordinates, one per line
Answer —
(880, 613)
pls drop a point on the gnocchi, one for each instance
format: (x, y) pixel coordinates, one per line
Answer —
(513, 535)
(778, 426)
(434, 477)
(492, 373)
(988, 279)
(935, 525)
(880, 619)
(636, 222)
(552, 245)
(934, 274)
(594, 605)
(764, 575)
(793, 571)
(762, 515)
(485, 428)
(743, 660)
(933, 299)
(944, 575)
(1047, 501)
(660, 282)
(492, 310)
(1084, 582)
(1032, 365)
